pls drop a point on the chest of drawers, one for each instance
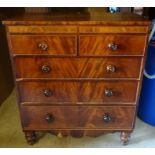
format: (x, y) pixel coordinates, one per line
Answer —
(77, 76)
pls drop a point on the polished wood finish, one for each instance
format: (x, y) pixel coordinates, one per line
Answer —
(74, 29)
(98, 45)
(78, 74)
(84, 92)
(42, 29)
(42, 44)
(68, 117)
(77, 67)
(113, 29)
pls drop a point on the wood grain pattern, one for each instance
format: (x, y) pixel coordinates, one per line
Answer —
(77, 70)
(41, 29)
(97, 45)
(73, 29)
(86, 117)
(86, 92)
(77, 67)
(56, 44)
(113, 29)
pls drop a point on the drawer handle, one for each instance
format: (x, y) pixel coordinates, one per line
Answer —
(107, 118)
(113, 46)
(108, 93)
(111, 68)
(43, 46)
(49, 118)
(45, 69)
(47, 92)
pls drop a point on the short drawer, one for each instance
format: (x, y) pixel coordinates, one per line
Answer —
(78, 92)
(106, 45)
(77, 67)
(63, 117)
(44, 44)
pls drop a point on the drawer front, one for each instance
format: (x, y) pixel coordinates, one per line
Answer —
(77, 67)
(44, 44)
(63, 92)
(106, 45)
(96, 117)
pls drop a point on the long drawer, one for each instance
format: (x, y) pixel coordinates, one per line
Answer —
(88, 117)
(63, 92)
(39, 67)
(44, 44)
(106, 45)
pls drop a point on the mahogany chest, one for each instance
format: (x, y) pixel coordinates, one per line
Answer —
(77, 75)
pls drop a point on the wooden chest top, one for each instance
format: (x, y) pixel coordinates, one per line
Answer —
(78, 19)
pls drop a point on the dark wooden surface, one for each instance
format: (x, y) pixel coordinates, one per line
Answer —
(78, 18)
(84, 92)
(62, 88)
(77, 117)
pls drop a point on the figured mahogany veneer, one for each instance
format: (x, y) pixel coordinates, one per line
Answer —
(42, 44)
(78, 75)
(93, 45)
(71, 117)
(85, 92)
(77, 67)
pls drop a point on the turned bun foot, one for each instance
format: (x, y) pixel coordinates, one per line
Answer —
(125, 136)
(30, 137)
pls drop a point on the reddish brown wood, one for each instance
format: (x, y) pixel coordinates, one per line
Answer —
(62, 90)
(61, 133)
(41, 29)
(56, 44)
(77, 67)
(86, 92)
(77, 117)
(113, 29)
(97, 45)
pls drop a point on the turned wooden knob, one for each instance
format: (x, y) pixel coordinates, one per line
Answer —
(107, 118)
(45, 69)
(47, 92)
(49, 118)
(43, 46)
(112, 46)
(111, 68)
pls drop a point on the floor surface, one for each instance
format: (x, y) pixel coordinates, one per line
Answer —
(11, 134)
